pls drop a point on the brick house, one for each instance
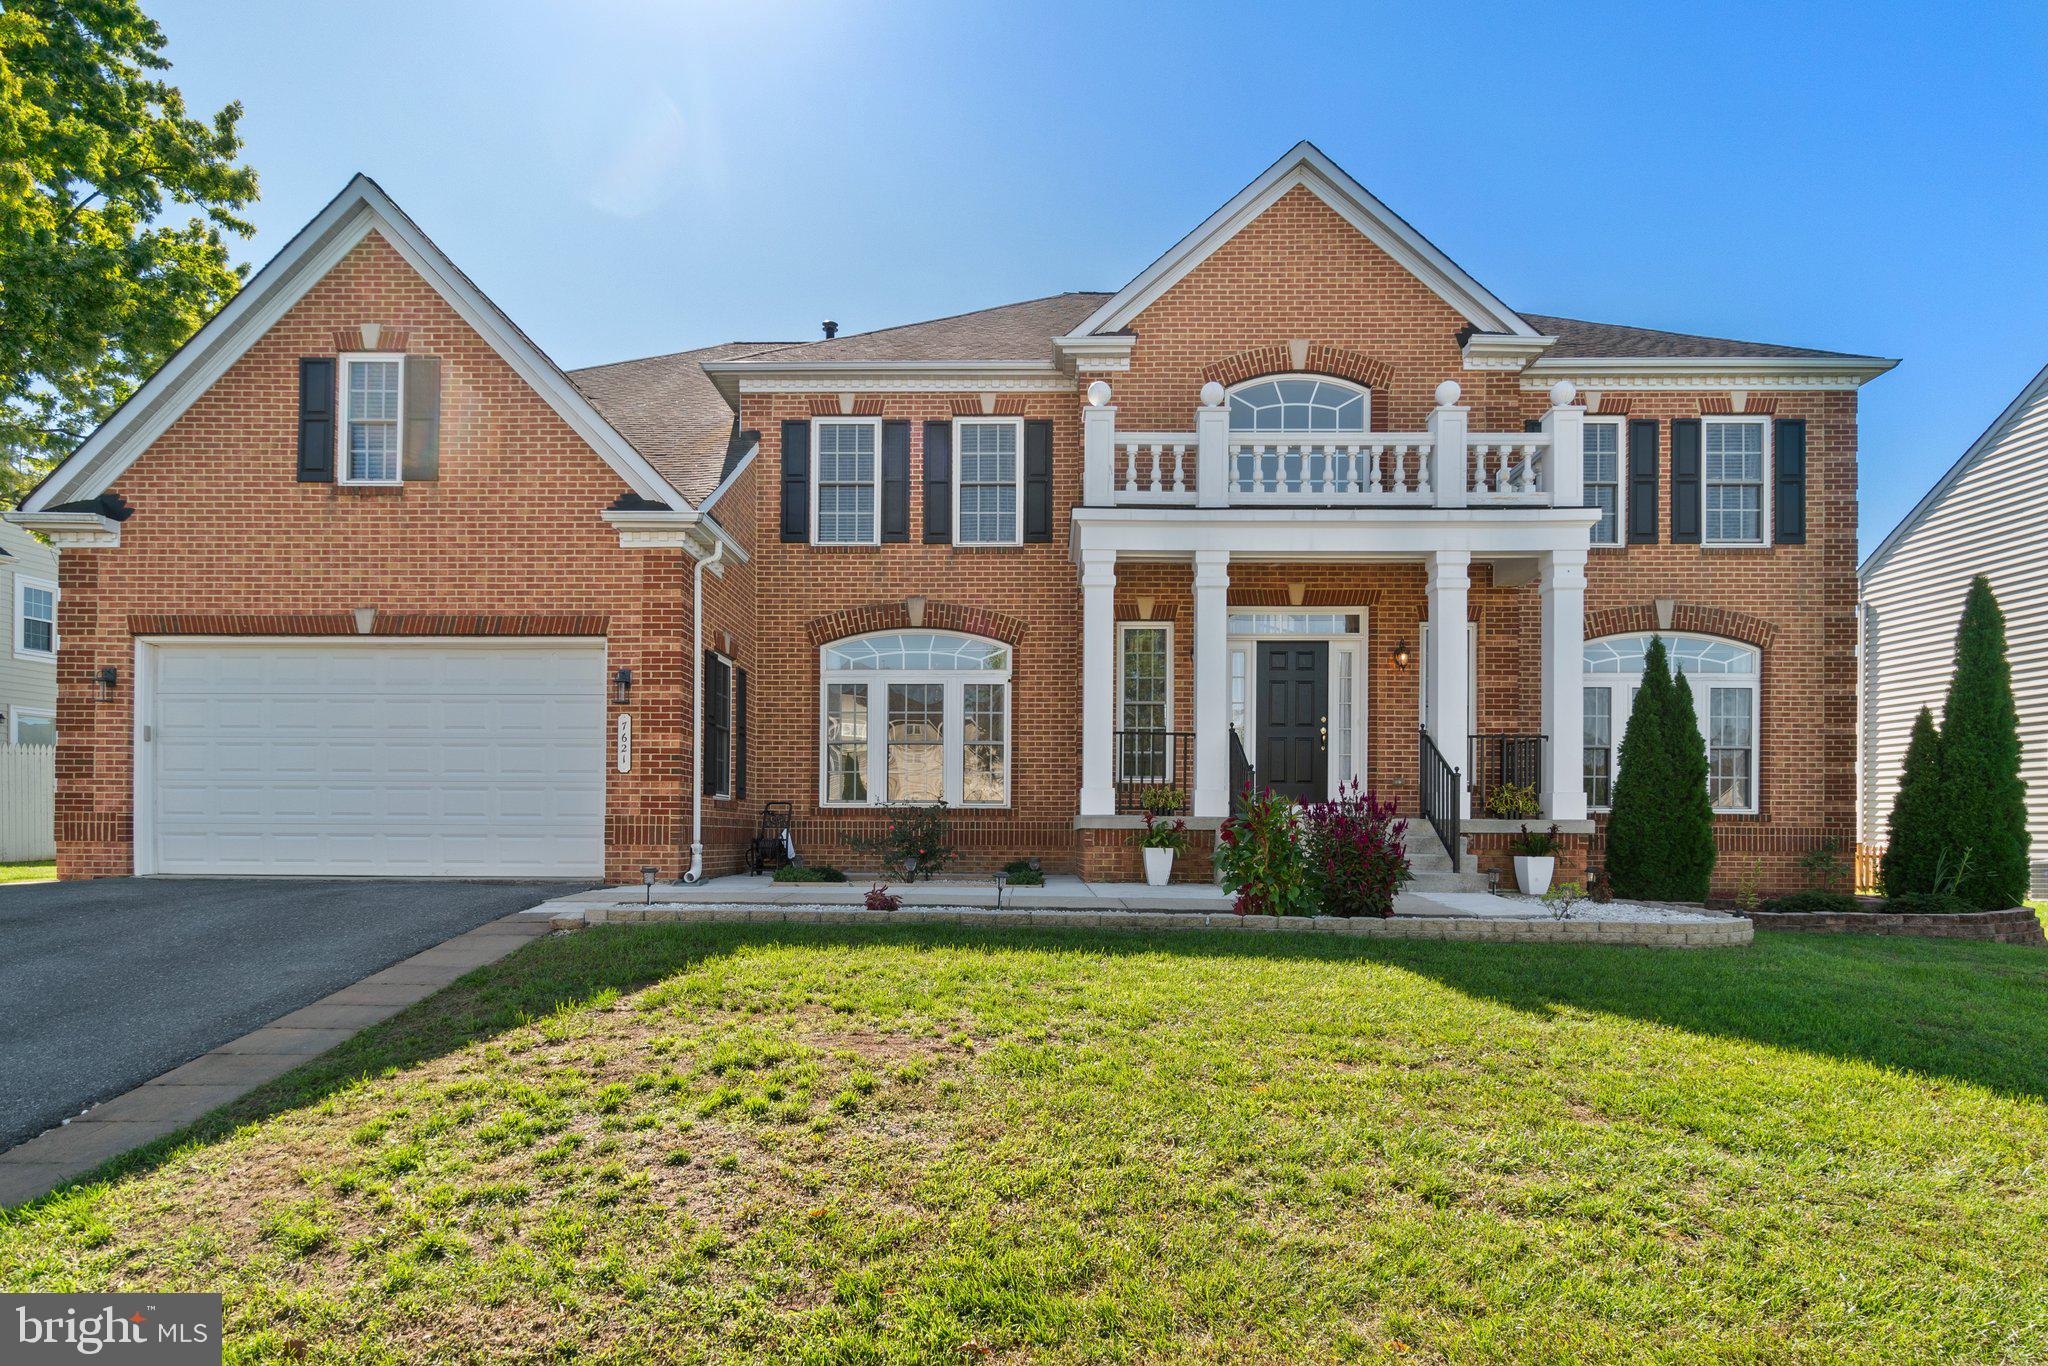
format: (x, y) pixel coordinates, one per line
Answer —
(361, 582)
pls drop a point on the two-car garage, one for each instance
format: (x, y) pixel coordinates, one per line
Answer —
(370, 757)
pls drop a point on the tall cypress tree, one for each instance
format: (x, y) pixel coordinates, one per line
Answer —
(1918, 828)
(1984, 800)
(1690, 833)
(1638, 825)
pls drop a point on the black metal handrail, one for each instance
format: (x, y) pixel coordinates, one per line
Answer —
(1159, 763)
(1438, 782)
(1242, 775)
(1504, 760)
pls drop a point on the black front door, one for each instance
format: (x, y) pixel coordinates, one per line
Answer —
(1294, 718)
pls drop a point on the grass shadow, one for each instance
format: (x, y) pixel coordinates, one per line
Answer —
(1974, 1013)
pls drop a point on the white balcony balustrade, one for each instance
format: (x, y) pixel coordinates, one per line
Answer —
(1445, 466)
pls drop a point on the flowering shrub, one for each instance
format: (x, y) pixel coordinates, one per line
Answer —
(914, 846)
(1356, 854)
(1260, 852)
(1158, 834)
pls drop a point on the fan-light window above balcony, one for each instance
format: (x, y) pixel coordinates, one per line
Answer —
(1299, 403)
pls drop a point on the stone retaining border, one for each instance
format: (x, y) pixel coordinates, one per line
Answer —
(1717, 932)
(2017, 926)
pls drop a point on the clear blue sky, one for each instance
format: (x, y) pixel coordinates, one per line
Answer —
(630, 178)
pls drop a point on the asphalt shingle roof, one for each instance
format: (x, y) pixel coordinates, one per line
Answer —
(1577, 339)
(667, 407)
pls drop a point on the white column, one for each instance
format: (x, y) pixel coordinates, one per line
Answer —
(1564, 638)
(1212, 448)
(1450, 583)
(1566, 423)
(1098, 447)
(1212, 683)
(1098, 681)
(1449, 426)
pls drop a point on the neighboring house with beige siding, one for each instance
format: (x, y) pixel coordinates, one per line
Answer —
(1987, 515)
(28, 639)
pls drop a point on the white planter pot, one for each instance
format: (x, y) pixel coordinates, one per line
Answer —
(1532, 874)
(1158, 866)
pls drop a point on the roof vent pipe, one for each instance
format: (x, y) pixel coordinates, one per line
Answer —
(831, 329)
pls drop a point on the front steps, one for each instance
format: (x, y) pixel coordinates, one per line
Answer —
(1432, 866)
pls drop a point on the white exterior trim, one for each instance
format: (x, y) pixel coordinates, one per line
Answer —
(1124, 628)
(711, 499)
(22, 583)
(1305, 165)
(343, 417)
(1347, 534)
(1712, 374)
(817, 483)
(1017, 423)
(360, 209)
(953, 719)
(1766, 492)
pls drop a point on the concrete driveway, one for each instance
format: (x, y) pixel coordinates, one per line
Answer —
(104, 985)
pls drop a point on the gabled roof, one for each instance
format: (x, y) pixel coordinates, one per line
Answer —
(2035, 389)
(1306, 166)
(1578, 339)
(361, 208)
(1020, 332)
(672, 413)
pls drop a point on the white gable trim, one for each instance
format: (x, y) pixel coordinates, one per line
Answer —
(1991, 437)
(1306, 165)
(360, 209)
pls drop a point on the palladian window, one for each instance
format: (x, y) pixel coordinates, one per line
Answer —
(1299, 404)
(915, 717)
(1723, 675)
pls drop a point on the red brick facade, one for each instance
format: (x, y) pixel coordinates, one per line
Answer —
(510, 540)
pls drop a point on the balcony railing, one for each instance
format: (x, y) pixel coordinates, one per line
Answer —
(1447, 465)
(1500, 761)
(1154, 764)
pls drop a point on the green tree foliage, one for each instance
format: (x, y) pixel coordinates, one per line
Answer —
(1691, 831)
(1917, 832)
(101, 277)
(1638, 833)
(1984, 802)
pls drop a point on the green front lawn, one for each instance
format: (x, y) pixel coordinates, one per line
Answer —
(804, 1142)
(27, 872)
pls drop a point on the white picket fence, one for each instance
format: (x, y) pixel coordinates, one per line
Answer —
(28, 803)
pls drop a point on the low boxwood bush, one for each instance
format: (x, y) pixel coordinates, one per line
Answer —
(1021, 874)
(1929, 903)
(1814, 903)
(808, 872)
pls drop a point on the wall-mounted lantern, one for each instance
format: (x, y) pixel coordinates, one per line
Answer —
(1401, 655)
(109, 678)
(622, 686)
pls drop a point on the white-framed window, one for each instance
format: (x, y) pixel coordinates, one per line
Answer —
(35, 618)
(1734, 456)
(1300, 405)
(846, 483)
(26, 726)
(1144, 701)
(988, 481)
(1725, 677)
(371, 433)
(914, 717)
(1603, 477)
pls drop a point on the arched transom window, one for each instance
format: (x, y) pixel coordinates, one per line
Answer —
(1299, 404)
(1724, 675)
(915, 717)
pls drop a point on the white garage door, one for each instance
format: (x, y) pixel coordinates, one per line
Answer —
(374, 759)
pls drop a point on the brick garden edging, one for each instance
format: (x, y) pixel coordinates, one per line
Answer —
(1717, 933)
(2017, 926)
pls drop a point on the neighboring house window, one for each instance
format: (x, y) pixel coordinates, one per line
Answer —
(31, 728)
(1733, 481)
(717, 726)
(372, 414)
(988, 484)
(35, 618)
(1144, 702)
(1603, 479)
(848, 483)
(915, 717)
(1724, 676)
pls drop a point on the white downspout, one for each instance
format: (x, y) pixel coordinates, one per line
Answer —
(696, 871)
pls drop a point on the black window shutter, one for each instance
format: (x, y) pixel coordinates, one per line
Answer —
(895, 481)
(739, 732)
(938, 483)
(717, 725)
(316, 420)
(1038, 480)
(422, 454)
(796, 480)
(1789, 450)
(1685, 481)
(1642, 482)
